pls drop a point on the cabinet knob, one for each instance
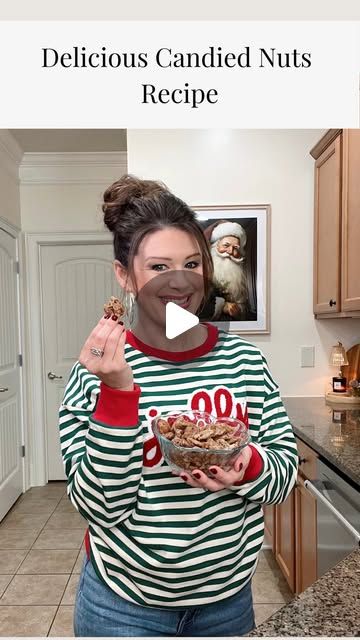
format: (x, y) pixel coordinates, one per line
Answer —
(332, 303)
(302, 460)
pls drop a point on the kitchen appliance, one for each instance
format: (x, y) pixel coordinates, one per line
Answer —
(338, 516)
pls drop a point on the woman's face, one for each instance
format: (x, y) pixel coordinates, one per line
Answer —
(168, 268)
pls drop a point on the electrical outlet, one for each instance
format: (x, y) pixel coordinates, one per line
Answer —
(307, 356)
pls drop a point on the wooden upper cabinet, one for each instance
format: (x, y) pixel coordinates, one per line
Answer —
(337, 224)
(350, 283)
(327, 229)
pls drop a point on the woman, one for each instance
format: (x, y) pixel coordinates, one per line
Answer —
(167, 555)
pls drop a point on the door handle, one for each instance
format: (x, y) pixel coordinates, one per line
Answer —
(3, 389)
(52, 376)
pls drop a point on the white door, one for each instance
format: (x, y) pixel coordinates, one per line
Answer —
(11, 464)
(76, 281)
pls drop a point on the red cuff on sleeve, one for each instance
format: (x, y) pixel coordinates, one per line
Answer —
(254, 469)
(118, 408)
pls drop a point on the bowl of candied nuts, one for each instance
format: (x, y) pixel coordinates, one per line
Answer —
(196, 440)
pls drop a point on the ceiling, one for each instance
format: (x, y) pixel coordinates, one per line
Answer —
(70, 140)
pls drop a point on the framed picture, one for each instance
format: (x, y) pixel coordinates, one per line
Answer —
(239, 237)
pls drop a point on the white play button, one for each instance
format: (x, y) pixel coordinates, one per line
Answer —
(178, 320)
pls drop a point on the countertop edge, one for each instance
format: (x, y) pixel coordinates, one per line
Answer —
(326, 455)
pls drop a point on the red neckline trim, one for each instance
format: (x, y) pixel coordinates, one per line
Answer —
(176, 356)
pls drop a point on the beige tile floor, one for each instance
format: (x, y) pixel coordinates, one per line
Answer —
(40, 561)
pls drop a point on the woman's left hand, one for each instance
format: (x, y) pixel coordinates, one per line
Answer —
(223, 479)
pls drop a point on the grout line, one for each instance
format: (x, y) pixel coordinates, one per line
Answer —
(30, 605)
(59, 605)
(43, 574)
(7, 587)
(47, 549)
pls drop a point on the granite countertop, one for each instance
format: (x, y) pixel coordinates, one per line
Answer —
(330, 607)
(330, 430)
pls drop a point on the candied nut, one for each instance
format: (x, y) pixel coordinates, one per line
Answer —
(163, 426)
(114, 307)
(191, 440)
(205, 434)
(182, 422)
(220, 443)
(221, 430)
(210, 444)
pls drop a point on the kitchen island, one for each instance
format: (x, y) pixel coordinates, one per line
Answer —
(331, 606)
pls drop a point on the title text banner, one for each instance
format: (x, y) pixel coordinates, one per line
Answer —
(179, 74)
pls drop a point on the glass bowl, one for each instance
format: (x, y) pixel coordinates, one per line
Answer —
(187, 458)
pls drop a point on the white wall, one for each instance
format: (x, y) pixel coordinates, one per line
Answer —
(10, 155)
(209, 167)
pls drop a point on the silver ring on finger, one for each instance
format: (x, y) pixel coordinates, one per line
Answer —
(97, 352)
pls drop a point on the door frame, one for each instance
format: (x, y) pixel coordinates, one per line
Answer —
(15, 233)
(35, 355)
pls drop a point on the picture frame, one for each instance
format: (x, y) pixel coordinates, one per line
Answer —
(248, 294)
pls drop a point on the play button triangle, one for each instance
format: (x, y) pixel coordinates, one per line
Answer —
(178, 320)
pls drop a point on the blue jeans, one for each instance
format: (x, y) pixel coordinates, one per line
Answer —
(99, 611)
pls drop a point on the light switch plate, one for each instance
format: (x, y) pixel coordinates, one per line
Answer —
(307, 356)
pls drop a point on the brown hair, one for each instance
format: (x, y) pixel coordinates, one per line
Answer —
(134, 208)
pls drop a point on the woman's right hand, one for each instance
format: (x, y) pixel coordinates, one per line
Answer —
(112, 368)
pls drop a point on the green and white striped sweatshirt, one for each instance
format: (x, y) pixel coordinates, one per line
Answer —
(153, 539)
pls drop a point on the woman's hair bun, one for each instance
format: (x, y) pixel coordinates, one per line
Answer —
(119, 197)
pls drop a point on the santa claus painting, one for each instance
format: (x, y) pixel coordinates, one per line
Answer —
(229, 297)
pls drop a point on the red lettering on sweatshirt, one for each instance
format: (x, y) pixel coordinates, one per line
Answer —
(201, 401)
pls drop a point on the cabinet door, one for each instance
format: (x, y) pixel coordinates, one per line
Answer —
(351, 221)
(327, 229)
(306, 537)
(285, 539)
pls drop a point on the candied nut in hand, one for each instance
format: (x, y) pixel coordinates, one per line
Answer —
(114, 307)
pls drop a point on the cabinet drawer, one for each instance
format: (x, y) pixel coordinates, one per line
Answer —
(307, 460)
